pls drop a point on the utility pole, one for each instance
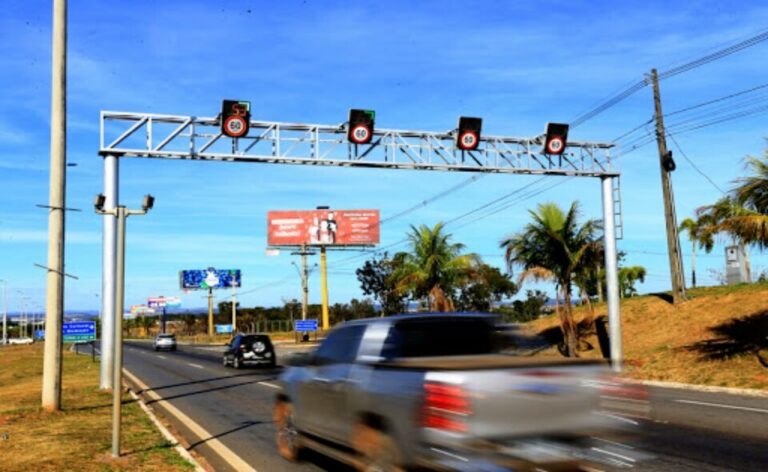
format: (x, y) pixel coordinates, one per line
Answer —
(54, 303)
(5, 311)
(324, 287)
(304, 274)
(667, 166)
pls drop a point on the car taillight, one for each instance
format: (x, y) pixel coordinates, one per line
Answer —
(445, 407)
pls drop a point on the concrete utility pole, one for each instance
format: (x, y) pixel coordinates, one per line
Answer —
(324, 288)
(109, 250)
(5, 311)
(666, 164)
(304, 273)
(234, 308)
(54, 303)
(210, 311)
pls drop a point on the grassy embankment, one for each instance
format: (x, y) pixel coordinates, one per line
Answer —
(79, 437)
(718, 337)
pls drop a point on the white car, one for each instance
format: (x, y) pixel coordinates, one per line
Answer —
(165, 341)
(20, 340)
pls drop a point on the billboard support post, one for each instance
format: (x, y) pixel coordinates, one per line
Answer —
(210, 311)
(324, 287)
(234, 309)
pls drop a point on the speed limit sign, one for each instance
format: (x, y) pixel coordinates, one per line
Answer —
(235, 126)
(555, 145)
(468, 140)
(360, 134)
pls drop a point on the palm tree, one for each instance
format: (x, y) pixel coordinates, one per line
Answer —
(698, 237)
(433, 267)
(554, 247)
(627, 278)
(743, 214)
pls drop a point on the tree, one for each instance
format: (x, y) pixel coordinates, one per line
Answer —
(744, 213)
(433, 268)
(553, 247)
(487, 287)
(628, 276)
(523, 311)
(694, 228)
(376, 280)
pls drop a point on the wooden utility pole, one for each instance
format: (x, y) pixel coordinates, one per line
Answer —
(667, 165)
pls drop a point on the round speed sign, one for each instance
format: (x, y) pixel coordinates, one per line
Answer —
(360, 134)
(235, 126)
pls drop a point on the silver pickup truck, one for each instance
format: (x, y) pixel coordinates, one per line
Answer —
(448, 392)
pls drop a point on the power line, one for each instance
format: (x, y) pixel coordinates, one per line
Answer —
(677, 145)
(637, 86)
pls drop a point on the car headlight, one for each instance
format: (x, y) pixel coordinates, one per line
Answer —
(268, 355)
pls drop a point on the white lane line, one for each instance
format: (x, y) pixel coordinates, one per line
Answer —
(267, 384)
(195, 365)
(720, 405)
(162, 357)
(212, 441)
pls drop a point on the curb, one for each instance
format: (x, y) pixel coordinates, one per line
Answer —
(752, 392)
(225, 453)
(167, 434)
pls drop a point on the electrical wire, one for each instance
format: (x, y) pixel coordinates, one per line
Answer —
(694, 165)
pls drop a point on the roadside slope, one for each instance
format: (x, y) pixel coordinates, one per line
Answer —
(718, 337)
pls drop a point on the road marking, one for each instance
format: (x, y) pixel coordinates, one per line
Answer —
(195, 365)
(267, 384)
(210, 440)
(720, 405)
(162, 357)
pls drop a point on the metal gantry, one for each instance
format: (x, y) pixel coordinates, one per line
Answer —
(189, 137)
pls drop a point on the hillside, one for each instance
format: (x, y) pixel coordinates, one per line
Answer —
(718, 337)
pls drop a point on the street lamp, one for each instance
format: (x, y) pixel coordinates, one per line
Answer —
(122, 213)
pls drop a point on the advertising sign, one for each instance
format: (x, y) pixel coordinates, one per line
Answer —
(323, 228)
(79, 331)
(163, 302)
(209, 278)
(141, 310)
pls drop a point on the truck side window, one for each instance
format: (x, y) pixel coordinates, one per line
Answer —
(341, 346)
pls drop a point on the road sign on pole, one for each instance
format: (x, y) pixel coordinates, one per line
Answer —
(305, 325)
(79, 331)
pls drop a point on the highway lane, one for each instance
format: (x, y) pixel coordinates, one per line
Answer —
(234, 406)
(689, 430)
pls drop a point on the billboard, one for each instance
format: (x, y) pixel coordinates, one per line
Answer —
(209, 278)
(163, 302)
(323, 228)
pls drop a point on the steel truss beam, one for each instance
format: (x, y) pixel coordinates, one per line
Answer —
(189, 137)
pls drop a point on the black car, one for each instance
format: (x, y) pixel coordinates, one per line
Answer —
(249, 349)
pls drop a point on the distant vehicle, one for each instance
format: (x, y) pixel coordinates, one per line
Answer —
(246, 349)
(165, 341)
(447, 392)
(20, 340)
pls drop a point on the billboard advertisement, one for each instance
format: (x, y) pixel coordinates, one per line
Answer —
(163, 302)
(323, 228)
(209, 278)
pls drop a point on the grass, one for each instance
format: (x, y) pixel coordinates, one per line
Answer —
(79, 436)
(718, 337)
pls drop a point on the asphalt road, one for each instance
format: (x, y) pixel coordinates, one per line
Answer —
(689, 431)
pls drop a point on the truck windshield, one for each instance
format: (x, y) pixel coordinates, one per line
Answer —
(440, 337)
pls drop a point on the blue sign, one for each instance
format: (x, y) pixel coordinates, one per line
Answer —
(224, 328)
(305, 325)
(209, 278)
(40, 333)
(79, 331)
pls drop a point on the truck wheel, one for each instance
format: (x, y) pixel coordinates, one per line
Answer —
(287, 436)
(378, 452)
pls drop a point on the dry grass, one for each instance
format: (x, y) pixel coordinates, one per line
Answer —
(718, 337)
(79, 437)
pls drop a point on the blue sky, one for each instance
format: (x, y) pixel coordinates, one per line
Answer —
(418, 64)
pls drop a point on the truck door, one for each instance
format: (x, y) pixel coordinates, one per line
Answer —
(327, 391)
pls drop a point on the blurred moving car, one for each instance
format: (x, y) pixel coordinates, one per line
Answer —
(248, 349)
(20, 340)
(165, 341)
(447, 392)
